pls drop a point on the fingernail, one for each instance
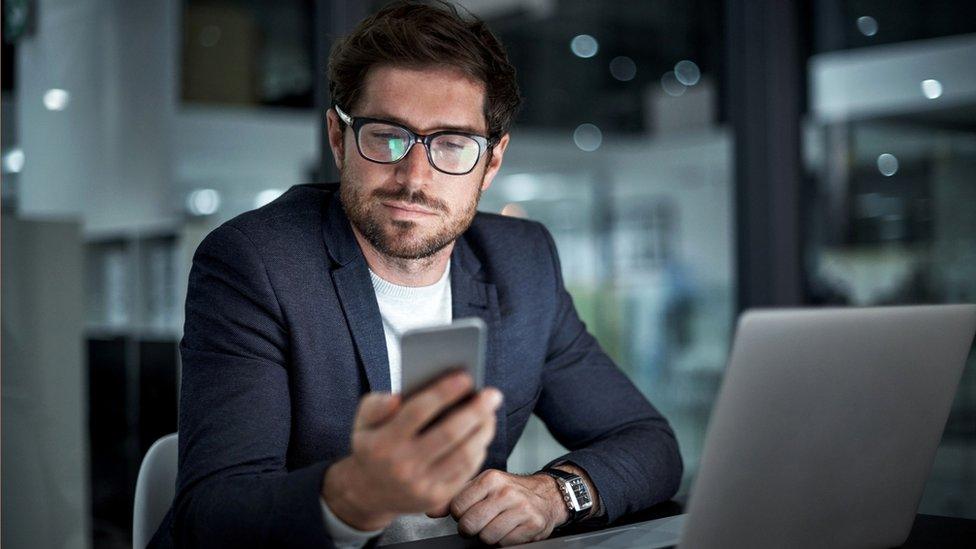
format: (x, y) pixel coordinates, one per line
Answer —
(494, 398)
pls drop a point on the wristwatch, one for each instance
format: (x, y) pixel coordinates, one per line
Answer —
(574, 491)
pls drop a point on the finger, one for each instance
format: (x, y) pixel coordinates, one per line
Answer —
(524, 533)
(375, 409)
(417, 411)
(500, 526)
(457, 427)
(475, 491)
(440, 511)
(477, 517)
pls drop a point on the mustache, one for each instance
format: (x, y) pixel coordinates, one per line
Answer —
(402, 194)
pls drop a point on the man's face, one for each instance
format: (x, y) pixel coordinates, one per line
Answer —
(409, 210)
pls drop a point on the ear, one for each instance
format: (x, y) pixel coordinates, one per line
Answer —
(335, 132)
(497, 154)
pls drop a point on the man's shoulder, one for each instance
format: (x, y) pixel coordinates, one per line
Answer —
(294, 213)
(288, 227)
(506, 228)
(499, 239)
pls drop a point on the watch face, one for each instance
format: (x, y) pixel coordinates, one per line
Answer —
(581, 493)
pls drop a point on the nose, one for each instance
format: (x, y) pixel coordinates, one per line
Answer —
(414, 170)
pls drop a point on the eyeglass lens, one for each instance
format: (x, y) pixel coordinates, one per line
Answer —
(451, 153)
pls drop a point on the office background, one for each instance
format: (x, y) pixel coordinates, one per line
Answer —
(691, 157)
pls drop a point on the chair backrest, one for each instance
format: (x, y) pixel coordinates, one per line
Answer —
(155, 488)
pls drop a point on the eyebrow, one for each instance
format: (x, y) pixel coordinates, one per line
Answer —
(438, 127)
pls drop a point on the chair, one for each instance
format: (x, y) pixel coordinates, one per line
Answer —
(155, 489)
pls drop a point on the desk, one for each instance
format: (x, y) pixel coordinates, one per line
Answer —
(928, 531)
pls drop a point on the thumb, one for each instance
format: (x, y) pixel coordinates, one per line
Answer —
(440, 511)
(375, 409)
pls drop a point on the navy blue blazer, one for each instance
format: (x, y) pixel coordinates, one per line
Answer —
(283, 336)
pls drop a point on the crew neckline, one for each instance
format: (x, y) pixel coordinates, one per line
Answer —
(389, 289)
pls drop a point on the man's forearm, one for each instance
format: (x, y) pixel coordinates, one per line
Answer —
(630, 481)
(340, 487)
(252, 511)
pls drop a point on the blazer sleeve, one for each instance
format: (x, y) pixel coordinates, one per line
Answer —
(613, 433)
(233, 487)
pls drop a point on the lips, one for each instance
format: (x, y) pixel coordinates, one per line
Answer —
(409, 210)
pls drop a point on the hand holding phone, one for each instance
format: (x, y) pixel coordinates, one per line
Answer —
(403, 460)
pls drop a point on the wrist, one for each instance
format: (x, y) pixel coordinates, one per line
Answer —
(578, 492)
(345, 496)
(558, 512)
(597, 508)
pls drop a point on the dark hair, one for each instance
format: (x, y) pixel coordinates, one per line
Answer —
(411, 33)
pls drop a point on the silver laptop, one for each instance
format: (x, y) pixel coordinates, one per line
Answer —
(823, 434)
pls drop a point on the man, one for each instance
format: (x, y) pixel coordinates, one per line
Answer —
(289, 432)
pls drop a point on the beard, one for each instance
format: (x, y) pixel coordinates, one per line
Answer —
(398, 238)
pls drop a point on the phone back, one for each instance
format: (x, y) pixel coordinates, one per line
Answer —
(428, 353)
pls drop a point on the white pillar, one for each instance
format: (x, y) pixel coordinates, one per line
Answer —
(106, 157)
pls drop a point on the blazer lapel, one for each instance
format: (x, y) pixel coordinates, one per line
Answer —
(350, 275)
(470, 296)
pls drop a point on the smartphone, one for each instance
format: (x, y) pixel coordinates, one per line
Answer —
(426, 354)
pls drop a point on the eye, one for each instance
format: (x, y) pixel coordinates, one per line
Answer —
(455, 142)
(385, 134)
(382, 132)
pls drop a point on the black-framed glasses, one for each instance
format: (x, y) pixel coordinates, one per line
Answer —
(385, 142)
